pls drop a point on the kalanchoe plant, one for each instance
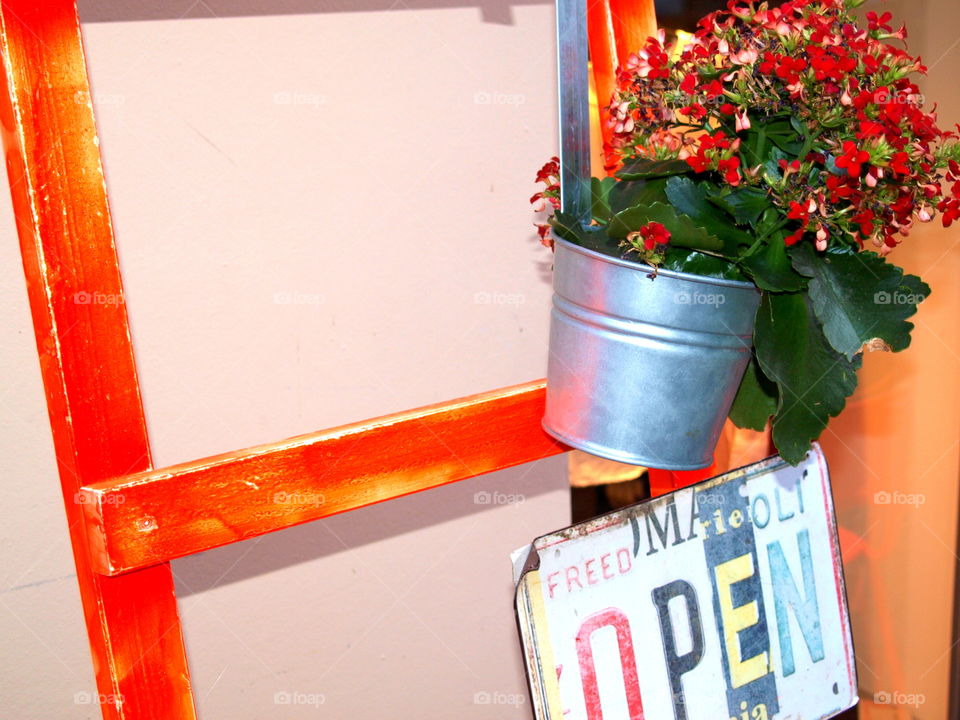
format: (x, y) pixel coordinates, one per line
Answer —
(789, 147)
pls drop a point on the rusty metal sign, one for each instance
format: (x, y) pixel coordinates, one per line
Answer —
(722, 600)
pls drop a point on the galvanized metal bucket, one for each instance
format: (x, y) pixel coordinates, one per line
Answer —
(644, 370)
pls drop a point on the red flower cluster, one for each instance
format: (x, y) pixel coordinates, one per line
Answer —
(717, 152)
(831, 63)
(649, 242)
(549, 175)
(950, 206)
(859, 159)
(786, 68)
(654, 234)
(852, 159)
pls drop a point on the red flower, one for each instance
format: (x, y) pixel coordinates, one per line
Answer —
(784, 67)
(653, 234)
(695, 111)
(730, 169)
(549, 175)
(769, 63)
(719, 140)
(950, 207)
(689, 84)
(832, 63)
(799, 211)
(898, 163)
(543, 230)
(699, 162)
(852, 159)
(550, 195)
(880, 23)
(550, 169)
(871, 64)
(841, 188)
(651, 62)
(794, 238)
(713, 89)
(903, 207)
(869, 129)
(865, 221)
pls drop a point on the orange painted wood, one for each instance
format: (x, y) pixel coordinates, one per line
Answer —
(158, 515)
(603, 58)
(86, 358)
(615, 28)
(633, 22)
(666, 481)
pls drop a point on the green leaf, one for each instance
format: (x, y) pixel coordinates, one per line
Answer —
(684, 232)
(569, 228)
(799, 126)
(690, 199)
(793, 137)
(746, 205)
(698, 263)
(789, 145)
(760, 140)
(600, 190)
(779, 125)
(596, 239)
(860, 298)
(770, 268)
(756, 400)
(813, 380)
(710, 72)
(628, 193)
(771, 165)
(643, 168)
(611, 195)
(769, 221)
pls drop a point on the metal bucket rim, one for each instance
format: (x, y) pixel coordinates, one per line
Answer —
(676, 274)
(621, 456)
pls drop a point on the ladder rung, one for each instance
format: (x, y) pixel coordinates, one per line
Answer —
(151, 517)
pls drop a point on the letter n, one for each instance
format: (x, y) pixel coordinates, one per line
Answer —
(786, 595)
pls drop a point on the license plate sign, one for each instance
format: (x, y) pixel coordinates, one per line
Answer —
(721, 600)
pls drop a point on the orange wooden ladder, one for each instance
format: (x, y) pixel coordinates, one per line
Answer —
(123, 527)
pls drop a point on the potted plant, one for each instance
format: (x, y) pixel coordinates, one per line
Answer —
(736, 260)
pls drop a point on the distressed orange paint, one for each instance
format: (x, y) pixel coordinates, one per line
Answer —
(238, 495)
(603, 59)
(616, 28)
(633, 22)
(86, 359)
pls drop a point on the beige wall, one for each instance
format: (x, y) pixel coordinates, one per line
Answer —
(321, 217)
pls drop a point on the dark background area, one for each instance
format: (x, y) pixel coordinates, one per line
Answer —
(684, 14)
